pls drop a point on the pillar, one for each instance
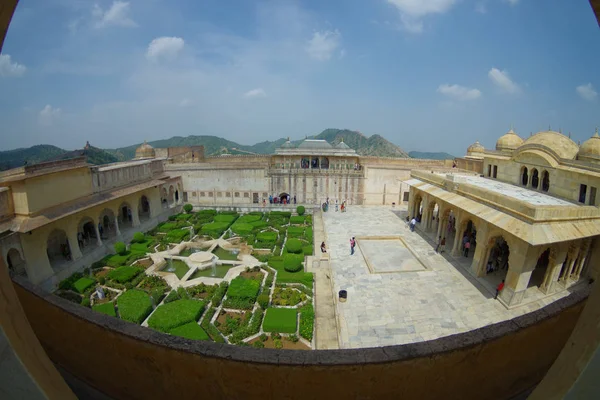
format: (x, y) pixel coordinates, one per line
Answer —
(581, 262)
(73, 243)
(117, 226)
(98, 235)
(556, 260)
(135, 218)
(522, 261)
(482, 252)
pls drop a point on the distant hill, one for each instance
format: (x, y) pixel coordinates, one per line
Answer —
(374, 145)
(42, 153)
(431, 156)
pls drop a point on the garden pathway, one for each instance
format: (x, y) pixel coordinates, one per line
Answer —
(326, 329)
(397, 307)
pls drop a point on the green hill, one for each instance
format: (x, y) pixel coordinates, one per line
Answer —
(374, 145)
(431, 156)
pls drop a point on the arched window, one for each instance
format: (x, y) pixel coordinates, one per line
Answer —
(535, 179)
(545, 181)
(524, 176)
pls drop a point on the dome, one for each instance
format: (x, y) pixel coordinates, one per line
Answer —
(475, 148)
(590, 149)
(287, 144)
(557, 143)
(145, 151)
(315, 144)
(342, 146)
(509, 142)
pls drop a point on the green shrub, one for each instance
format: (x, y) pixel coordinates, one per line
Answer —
(219, 293)
(172, 296)
(138, 237)
(134, 306)
(249, 218)
(263, 337)
(243, 288)
(297, 220)
(293, 262)
(102, 280)
(309, 234)
(280, 320)
(307, 250)
(263, 301)
(293, 338)
(307, 320)
(258, 344)
(215, 229)
(177, 313)
(188, 208)
(278, 344)
(241, 228)
(300, 210)
(157, 294)
(284, 214)
(181, 218)
(177, 235)
(82, 284)
(295, 231)
(86, 301)
(167, 226)
(284, 276)
(267, 236)
(124, 274)
(172, 217)
(251, 329)
(120, 248)
(191, 330)
(294, 246)
(106, 308)
(258, 224)
(68, 283)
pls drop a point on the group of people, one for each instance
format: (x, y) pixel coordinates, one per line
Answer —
(343, 207)
(280, 200)
(498, 258)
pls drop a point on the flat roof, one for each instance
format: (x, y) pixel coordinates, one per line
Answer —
(532, 197)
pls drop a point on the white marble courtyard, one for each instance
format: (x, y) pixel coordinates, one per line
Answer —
(398, 301)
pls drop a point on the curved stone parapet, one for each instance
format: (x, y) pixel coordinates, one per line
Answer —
(496, 361)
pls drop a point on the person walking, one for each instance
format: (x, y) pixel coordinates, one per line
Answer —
(352, 244)
(294, 199)
(323, 248)
(439, 244)
(336, 205)
(443, 245)
(413, 222)
(467, 247)
(499, 289)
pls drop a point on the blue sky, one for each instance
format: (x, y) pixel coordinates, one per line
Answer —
(429, 75)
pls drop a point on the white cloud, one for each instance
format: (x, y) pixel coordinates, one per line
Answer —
(164, 47)
(48, 115)
(459, 92)
(412, 11)
(9, 68)
(587, 92)
(258, 92)
(117, 14)
(503, 81)
(323, 44)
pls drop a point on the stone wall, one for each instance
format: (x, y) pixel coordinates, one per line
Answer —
(469, 164)
(127, 361)
(7, 210)
(107, 178)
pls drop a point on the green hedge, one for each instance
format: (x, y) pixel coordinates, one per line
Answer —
(241, 228)
(167, 226)
(242, 293)
(207, 212)
(191, 330)
(183, 217)
(309, 234)
(307, 320)
(177, 313)
(251, 329)
(307, 250)
(215, 229)
(124, 274)
(267, 236)
(283, 276)
(225, 218)
(142, 246)
(281, 320)
(68, 283)
(219, 293)
(106, 308)
(250, 218)
(294, 246)
(177, 235)
(138, 237)
(82, 284)
(298, 220)
(284, 214)
(259, 224)
(134, 306)
(300, 210)
(295, 231)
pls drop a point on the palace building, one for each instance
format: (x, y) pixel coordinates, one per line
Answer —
(528, 207)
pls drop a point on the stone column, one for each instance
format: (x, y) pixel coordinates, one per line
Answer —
(135, 217)
(73, 243)
(581, 262)
(98, 235)
(522, 261)
(555, 261)
(117, 226)
(482, 252)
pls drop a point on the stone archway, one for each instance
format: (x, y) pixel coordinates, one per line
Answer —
(58, 249)
(524, 176)
(107, 224)
(495, 263)
(466, 232)
(545, 181)
(16, 263)
(535, 179)
(164, 198)
(87, 234)
(144, 209)
(125, 216)
(433, 216)
(447, 227)
(417, 207)
(324, 163)
(541, 268)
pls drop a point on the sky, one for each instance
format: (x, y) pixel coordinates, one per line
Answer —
(428, 75)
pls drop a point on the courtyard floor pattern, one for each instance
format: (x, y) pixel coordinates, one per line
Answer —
(410, 306)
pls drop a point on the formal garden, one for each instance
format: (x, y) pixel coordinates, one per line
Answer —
(210, 275)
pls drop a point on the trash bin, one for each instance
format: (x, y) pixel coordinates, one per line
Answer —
(343, 296)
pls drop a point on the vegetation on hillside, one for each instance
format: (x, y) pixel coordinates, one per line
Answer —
(431, 155)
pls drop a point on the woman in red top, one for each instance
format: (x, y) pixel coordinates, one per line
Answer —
(499, 288)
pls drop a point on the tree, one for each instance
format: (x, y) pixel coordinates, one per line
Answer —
(300, 210)
(138, 237)
(120, 248)
(188, 208)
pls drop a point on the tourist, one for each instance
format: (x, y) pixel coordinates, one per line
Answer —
(100, 229)
(439, 244)
(467, 247)
(413, 222)
(352, 244)
(80, 239)
(342, 207)
(443, 245)
(270, 199)
(294, 199)
(336, 205)
(264, 203)
(464, 241)
(499, 289)
(323, 249)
